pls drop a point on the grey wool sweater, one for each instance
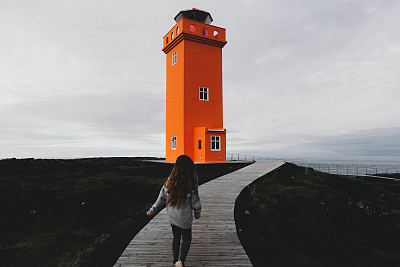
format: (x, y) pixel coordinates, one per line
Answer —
(182, 217)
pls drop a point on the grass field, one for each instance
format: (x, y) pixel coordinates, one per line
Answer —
(297, 216)
(80, 212)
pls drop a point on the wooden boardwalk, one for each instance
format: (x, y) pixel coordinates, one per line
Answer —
(215, 242)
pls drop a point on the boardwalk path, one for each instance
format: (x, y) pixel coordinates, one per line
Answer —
(214, 242)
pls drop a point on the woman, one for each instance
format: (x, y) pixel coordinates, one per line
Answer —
(180, 195)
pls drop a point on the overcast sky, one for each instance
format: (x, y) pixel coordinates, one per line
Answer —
(302, 78)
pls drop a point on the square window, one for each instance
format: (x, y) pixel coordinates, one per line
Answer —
(203, 93)
(173, 142)
(215, 143)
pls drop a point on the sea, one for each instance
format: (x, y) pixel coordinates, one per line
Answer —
(360, 165)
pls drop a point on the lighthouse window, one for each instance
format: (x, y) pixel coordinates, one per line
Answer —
(177, 30)
(203, 93)
(174, 58)
(204, 31)
(173, 141)
(215, 143)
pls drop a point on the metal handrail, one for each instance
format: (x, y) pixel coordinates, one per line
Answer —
(328, 168)
(246, 157)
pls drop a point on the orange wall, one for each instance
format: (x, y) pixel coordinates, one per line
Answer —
(184, 26)
(175, 103)
(205, 154)
(199, 154)
(199, 63)
(203, 67)
(215, 156)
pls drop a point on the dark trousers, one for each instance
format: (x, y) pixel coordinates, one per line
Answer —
(186, 235)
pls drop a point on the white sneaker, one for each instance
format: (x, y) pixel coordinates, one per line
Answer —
(178, 264)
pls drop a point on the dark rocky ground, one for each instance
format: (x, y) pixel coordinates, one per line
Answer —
(297, 216)
(80, 212)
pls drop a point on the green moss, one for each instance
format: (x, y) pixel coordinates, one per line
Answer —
(298, 216)
(79, 212)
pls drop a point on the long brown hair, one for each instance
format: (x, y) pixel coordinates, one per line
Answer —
(182, 180)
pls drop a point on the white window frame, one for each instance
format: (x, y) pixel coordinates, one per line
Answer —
(204, 93)
(173, 142)
(174, 58)
(215, 143)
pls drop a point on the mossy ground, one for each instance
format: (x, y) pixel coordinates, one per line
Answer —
(80, 212)
(297, 216)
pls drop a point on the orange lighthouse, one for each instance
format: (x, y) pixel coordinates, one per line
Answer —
(194, 123)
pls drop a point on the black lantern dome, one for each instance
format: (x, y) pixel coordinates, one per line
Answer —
(194, 14)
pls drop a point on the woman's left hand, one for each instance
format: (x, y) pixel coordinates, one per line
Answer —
(149, 213)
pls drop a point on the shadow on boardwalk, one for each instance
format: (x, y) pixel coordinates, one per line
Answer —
(215, 242)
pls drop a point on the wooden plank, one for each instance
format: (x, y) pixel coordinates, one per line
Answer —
(214, 242)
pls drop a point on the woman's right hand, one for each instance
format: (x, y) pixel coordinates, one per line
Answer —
(149, 213)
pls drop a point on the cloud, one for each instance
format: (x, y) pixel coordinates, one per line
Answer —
(355, 143)
(366, 142)
(299, 78)
(71, 123)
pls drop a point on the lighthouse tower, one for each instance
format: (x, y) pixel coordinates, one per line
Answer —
(194, 123)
